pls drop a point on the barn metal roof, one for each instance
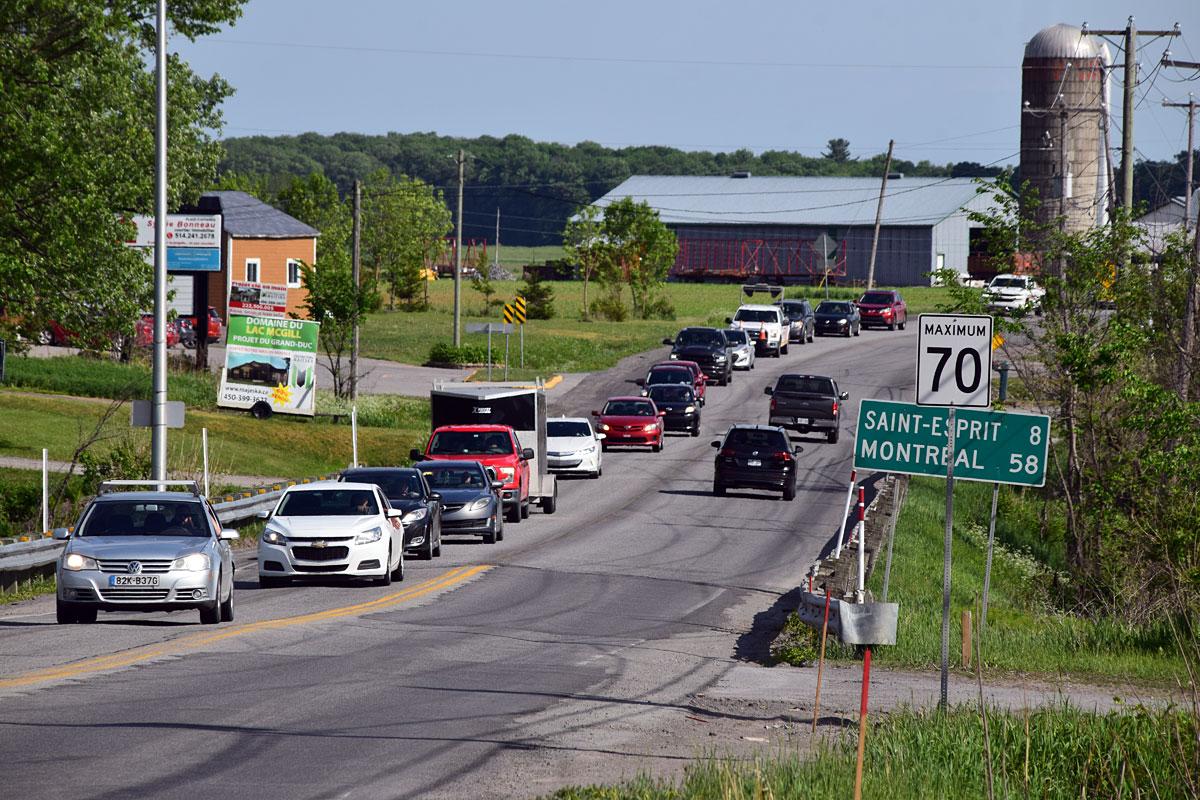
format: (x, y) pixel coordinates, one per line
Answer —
(705, 200)
(246, 217)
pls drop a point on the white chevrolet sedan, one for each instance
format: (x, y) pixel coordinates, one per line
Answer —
(572, 446)
(329, 529)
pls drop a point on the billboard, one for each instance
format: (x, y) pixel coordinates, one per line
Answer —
(262, 299)
(270, 360)
(193, 240)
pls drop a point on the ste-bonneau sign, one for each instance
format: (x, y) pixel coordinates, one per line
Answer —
(954, 360)
(1000, 446)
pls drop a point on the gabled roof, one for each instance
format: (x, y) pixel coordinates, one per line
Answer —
(246, 217)
(687, 199)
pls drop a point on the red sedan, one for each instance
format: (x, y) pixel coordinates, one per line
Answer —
(631, 421)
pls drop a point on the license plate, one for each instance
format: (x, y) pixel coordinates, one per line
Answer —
(803, 421)
(133, 580)
(754, 462)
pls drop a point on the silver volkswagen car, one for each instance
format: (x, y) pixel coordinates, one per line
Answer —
(146, 551)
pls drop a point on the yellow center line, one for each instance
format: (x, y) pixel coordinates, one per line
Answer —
(194, 641)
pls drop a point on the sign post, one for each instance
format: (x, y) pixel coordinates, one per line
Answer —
(519, 309)
(489, 328)
(825, 247)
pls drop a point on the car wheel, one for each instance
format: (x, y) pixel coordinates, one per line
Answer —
(65, 613)
(525, 510)
(211, 614)
(386, 578)
(498, 528)
(891, 326)
(550, 504)
(657, 446)
(718, 488)
(437, 551)
(513, 514)
(812, 337)
(696, 430)
(603, 447)
(227, 608)
(489, 537)
(427, 552)
(789, 492)
(783, 350)
(858, 330)
(833, 437)
(398, 572)
(902, 324)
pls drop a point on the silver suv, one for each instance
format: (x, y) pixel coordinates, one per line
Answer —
(146, 551)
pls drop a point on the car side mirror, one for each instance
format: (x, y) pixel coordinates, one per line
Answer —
(797, 449)
(394, 513)
(768, 390)
(527, 453)
(669, 341)
(844, 396)
(729, 320)
(263, 515)
(716, 443)
(497, 485)
(61, 534)
(415, 454)
(595, 413)
(640, 382)
(229, 535)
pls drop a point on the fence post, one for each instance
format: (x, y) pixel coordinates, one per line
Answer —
(204, 447)
(837, 551)
(821, 662)
(45, 491)
(354, 436)
(862, 545)
(862, 725)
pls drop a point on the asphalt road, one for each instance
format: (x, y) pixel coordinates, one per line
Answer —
(504, 670)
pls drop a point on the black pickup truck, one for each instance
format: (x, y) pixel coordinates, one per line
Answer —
(807, 404)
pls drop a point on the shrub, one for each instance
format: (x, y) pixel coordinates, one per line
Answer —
(610, 307)
(659, 308)
(126, 461)
(444, 353)
(19, 503)
(539, 296)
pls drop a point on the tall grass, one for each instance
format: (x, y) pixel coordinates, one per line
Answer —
(84, 376)
(913, 756)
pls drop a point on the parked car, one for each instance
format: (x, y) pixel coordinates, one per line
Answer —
(800, 315)
(405, 489)
(766, 326)
(573, 446)
(807, 404)
(668, 372)
(885, 308)
(494, 446)
(631, 421)
(755, 457)
(1010, 293)
(837, 318)
(329, 529)
(680, 405)
(470, 498)
(741, 348)
(143, 331)
(145, 551)
(708, 347)
(187, 329)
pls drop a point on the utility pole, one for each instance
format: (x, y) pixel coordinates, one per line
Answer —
(1190, 105)
(1187, 344)
(356, 265)
(496, 257)
(462, 160)
(158, 419)
(887, 166)
(1131, 34)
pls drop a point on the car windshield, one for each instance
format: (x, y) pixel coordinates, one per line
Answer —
(877, 298)
(756, 315)
(1008, 283)
(793, 310)
(563, 428)
(328, 503)
(628, 408)
(669, 376)
(400, 483)
(803, 384)
(455, 477)
(466, 443)
(757, 439)
(145, 518)
(671, 394)
(692, 337)
(833, 308)
(736, 337)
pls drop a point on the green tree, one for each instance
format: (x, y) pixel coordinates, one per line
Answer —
(639, 250)
(77, 94)
(333, 300)
(402, 219)
(839, 151)
(539, 296)
(585, 246)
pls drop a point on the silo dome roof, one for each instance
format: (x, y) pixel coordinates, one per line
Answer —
(1062, 41)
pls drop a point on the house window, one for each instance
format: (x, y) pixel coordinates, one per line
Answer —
(252, 270)
(941, 261)
(293, 273)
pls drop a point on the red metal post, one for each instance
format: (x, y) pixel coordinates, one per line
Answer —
(862, 725)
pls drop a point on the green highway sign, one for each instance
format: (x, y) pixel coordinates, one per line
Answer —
(993, 446)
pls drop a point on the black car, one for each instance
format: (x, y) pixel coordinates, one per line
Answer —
(800, 314)
(755, 457)
(406, 489)
(708, 347)
(838, 318)
(683, 410)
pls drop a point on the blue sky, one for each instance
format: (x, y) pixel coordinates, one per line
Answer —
(942, 77)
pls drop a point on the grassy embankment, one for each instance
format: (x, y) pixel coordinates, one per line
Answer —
(566, 343)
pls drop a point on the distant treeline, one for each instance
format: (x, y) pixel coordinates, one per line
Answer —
(536, 185)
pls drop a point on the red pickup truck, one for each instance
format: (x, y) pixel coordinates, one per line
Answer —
(494, 446)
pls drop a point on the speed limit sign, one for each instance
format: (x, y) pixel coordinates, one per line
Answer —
(954, 360)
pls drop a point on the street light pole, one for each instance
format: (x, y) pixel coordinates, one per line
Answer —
(462, 160)
(158, 428)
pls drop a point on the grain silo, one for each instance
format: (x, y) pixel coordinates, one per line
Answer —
(1063, 103)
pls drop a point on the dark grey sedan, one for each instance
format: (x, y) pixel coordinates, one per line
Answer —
(470, 498)
(406, 489)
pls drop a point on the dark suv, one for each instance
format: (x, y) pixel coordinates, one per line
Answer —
(755, 457)
(804, 322)
(708, 347)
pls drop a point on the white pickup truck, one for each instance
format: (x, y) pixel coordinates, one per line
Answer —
(1010, 293)
(767, 326)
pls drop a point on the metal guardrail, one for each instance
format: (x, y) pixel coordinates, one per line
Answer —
(22, 561)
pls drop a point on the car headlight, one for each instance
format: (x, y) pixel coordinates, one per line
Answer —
(675, 356)
(75, 562)
(591, 448)
(690, 410)
(506, 473)
(719, 359)
(603, 427)
(366, 537)
(653, 426)
(272, 536)
(843, 322)
(195, 562)
(478, 505)
(416, 515)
